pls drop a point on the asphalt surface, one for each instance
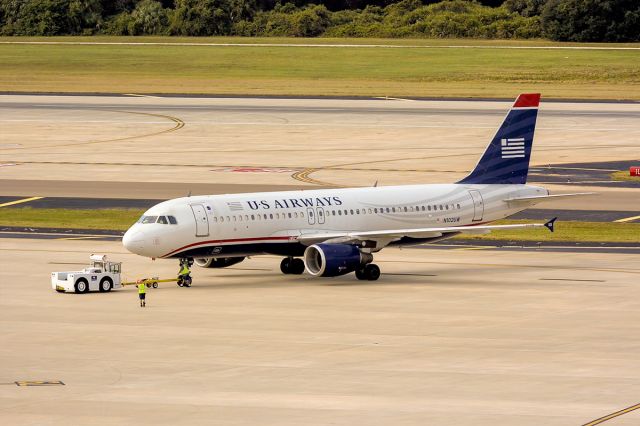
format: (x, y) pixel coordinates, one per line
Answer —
(445, 337)
(585, 174)
(380, 105)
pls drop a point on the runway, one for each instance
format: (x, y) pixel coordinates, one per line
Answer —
(445, 337)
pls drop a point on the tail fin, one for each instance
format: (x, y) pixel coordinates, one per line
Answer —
(506, 159)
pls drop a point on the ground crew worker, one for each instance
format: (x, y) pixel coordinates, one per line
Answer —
(142, 293)
(184, 271)
(183, 275)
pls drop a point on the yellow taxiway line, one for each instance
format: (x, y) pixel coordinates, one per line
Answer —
(24, 200)
(626, 219)
(612, 415)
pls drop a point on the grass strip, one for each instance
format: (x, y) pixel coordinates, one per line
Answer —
(624, 176)
(111, 219)
(570, 231)
(304, 71)
(121, 219)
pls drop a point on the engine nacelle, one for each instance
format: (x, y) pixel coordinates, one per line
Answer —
(221, 262)
(332, 260)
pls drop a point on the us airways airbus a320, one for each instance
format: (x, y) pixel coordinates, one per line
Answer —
(334, 232)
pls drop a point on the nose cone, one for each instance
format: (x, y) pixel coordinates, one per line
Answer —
(134, 241)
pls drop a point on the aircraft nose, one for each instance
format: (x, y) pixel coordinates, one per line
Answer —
(133, 240)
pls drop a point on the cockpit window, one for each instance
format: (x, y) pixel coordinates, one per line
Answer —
(172, 220)
(148, 219)
(162, 220)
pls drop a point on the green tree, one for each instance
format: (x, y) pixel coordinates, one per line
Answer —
(525, 7)
(592, 20)
(50, 17)
(209, 17)
(148, 18)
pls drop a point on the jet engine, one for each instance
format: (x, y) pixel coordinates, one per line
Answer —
(332, 260)
(220, 262)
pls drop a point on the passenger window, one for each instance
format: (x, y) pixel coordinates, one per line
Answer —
(369, 211)
(301, 214)
(215, 219)
(270, 215)
(172, 220)
(447, 206)
(458, 206)
(350, 211)
(228, 219)
(289, 215)
(339, 212)
(162, 220)
(253, 217)
(441, 207)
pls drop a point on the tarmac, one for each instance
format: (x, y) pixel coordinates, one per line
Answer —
(450, 335)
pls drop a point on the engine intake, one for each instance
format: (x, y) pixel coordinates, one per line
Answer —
(332, 260)
(220, 262)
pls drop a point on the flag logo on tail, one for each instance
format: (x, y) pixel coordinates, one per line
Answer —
(512, 148)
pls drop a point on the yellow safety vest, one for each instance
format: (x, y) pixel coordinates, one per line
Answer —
(142, 288)
(184, 270)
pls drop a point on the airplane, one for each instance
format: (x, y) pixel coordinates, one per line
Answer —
(333, 232)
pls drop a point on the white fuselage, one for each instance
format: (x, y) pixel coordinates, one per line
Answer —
(269, 222)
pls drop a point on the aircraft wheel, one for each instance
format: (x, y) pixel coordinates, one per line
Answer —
(372, 272)
(285, 265)
(154, 285)
(105, 285)
(297, 266)
(360, 274)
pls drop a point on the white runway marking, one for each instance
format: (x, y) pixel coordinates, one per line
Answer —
(384, 46)
(142, 96)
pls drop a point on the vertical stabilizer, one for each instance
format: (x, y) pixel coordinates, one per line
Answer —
(506, 159)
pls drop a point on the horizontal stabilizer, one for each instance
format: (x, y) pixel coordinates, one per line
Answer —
(540, 198)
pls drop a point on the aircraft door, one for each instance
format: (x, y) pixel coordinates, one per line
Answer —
(320, 214)
(202, 222)
(311, 217)
(478, 205)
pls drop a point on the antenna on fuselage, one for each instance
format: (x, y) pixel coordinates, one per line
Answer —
(189, 194)
(375, 184)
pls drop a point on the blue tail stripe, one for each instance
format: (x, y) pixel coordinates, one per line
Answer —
(503, 162)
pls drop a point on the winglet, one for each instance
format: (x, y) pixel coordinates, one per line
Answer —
(550, 224)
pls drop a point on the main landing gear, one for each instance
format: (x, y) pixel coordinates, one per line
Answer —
(368, 272)
(292, 265)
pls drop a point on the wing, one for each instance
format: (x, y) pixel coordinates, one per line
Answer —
(385, 237)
